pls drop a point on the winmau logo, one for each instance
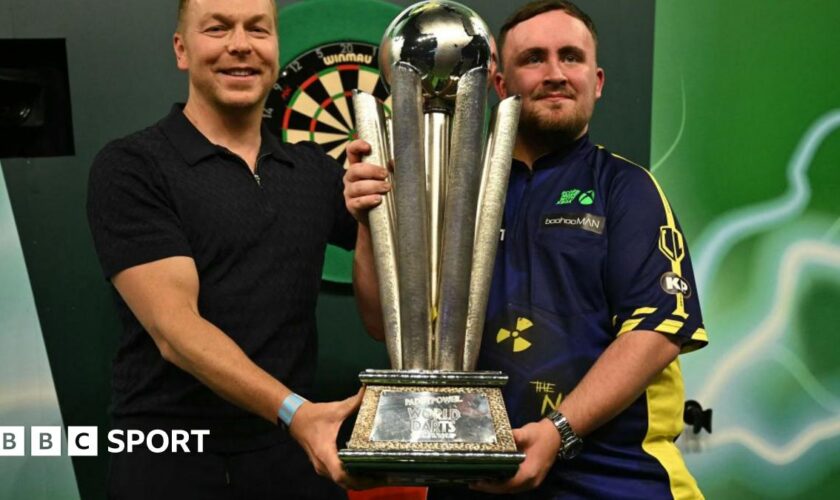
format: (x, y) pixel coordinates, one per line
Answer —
(345, 58)
(587, 222)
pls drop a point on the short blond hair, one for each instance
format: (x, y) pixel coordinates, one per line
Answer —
(182, 11)
(184, 4)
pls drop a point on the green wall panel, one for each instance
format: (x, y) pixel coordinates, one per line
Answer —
(27, 393)
(745, 140)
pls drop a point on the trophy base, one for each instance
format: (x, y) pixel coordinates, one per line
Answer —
(435, 468)
(432, 427)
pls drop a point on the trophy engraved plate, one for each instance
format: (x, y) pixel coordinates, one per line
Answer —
(432, 419)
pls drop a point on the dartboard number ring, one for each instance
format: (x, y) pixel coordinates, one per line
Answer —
(312, 99)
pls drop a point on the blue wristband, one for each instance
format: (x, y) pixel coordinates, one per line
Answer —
(290, 407)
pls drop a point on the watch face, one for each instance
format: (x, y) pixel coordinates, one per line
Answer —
(312, 99)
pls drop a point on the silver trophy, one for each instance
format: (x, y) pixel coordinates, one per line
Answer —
(431, 418)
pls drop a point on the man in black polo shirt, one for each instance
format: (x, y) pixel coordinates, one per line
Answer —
(213, 234)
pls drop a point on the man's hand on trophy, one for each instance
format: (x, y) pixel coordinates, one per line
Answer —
(540, 442)
(364, 183)
(315, 427)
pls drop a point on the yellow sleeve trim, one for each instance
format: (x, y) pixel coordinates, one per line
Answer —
(629, 325)
(644, 310)
(700, 334)
(635, 319)
(669, 326)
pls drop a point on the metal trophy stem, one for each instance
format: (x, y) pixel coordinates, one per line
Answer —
(463, 182)
(431, 419)
(412, 220)
(437, 129)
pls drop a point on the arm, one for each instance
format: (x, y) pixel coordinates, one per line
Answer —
(163, 295)
(364, 185)
(365, 285)
(619, 376)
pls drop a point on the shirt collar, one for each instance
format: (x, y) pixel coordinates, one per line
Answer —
(194, 146)
(558, 156)
(271, 144)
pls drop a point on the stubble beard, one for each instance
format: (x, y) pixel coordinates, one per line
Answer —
(548, 130)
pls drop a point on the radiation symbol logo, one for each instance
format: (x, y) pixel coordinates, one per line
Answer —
(519, 342)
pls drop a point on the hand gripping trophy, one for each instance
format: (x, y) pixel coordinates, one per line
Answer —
(432, 419)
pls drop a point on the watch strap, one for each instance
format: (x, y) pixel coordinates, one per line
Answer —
(570, 443)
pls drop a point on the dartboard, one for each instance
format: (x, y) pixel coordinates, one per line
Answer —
(312, 99)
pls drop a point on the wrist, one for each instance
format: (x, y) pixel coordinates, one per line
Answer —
(570, 443)
(288, 408)
(552, 437)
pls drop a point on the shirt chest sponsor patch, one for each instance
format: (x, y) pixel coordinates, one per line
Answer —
(576, 220)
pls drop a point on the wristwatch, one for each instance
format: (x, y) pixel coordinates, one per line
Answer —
(570, 443)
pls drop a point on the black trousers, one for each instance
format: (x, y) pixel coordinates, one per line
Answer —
(279, 471)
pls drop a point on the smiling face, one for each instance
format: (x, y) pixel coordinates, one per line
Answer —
(229, 49)
(550, 61)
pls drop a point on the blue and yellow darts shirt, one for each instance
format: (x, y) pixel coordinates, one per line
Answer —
(591, 250)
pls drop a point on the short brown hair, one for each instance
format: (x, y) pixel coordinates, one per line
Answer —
(535, 8)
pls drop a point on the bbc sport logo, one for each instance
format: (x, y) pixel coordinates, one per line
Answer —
(83, 441)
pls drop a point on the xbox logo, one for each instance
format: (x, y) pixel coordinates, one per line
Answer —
(587, 197)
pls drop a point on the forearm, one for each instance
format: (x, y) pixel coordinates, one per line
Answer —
(616, 379)
(619, 376)
(198, 347)
(365, 284)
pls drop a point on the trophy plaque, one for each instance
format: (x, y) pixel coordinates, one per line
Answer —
(432, 419)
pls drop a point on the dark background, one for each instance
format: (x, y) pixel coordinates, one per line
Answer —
(122, 77)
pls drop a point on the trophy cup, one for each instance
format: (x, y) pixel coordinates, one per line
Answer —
(431, 418)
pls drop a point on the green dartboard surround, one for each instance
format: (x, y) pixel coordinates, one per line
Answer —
(307, 30)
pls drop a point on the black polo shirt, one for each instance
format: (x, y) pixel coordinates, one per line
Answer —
(258, 242)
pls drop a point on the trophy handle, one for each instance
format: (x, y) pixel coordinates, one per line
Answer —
(491, 205)
(372, 128)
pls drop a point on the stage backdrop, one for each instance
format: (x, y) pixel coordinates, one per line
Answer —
(746, 143)
(736, 114)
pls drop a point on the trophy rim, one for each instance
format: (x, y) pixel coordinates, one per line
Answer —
(435, 378)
